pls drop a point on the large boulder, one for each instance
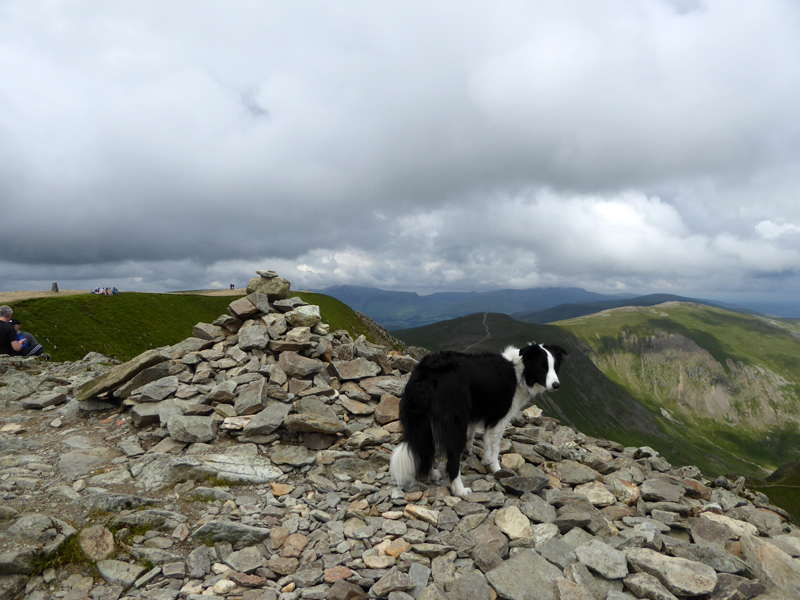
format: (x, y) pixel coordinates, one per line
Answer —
(276, 288)
(118, 375)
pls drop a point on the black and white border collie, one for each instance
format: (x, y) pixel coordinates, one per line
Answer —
(450, 394)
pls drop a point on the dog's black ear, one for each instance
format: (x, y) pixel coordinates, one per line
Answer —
(556, 350)
(559, 354)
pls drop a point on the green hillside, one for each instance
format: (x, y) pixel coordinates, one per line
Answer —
(579, 309)
(125, 325)
(730, 381)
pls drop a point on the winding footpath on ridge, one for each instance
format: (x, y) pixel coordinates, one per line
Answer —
(488, 335)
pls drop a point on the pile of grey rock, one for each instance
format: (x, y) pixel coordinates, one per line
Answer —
(250, 462)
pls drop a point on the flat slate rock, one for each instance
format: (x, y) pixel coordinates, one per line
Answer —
(526, 576)
(116, 572)
(82, 462)
(44, 400)
(519, 485)
(238, 534)
(118, 375)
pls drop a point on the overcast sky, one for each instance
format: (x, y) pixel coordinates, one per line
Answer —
(620, 146)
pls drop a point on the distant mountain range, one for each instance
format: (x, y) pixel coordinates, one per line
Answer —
(400, 310)
(403, 310)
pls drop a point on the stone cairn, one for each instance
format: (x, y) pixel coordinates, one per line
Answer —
(250, 462)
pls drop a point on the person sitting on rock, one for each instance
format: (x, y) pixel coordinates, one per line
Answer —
(9, 344)
(30, 347)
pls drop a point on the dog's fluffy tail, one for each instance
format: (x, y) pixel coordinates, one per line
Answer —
(403, 466)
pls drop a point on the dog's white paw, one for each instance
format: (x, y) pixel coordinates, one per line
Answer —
(492, 465)
(457, 486)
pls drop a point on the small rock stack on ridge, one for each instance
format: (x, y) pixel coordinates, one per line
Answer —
(250, 462)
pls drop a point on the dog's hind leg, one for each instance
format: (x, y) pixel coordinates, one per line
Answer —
(491, 446)
(454, 468)
(454, 474)
(435, 475)
(471, 436)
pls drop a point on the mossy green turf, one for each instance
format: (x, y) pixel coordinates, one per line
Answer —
(125, 325)
(120, 326)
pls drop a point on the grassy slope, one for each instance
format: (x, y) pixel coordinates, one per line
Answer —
(121, 326)
(579, 309)
(783, 488)
(126, 325)
(340, 316)
(725, 335)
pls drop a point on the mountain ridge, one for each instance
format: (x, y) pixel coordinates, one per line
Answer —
(405, 310)
(578, 309)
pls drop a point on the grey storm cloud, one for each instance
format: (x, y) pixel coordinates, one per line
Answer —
(627, 145)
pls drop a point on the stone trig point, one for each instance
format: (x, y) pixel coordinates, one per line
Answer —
(54, 287)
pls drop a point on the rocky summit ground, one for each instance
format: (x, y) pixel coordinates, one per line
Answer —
(250, 462)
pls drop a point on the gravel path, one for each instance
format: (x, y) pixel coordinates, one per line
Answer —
(8, 297)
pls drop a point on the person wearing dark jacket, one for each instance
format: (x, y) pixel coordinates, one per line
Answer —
(9, 344)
